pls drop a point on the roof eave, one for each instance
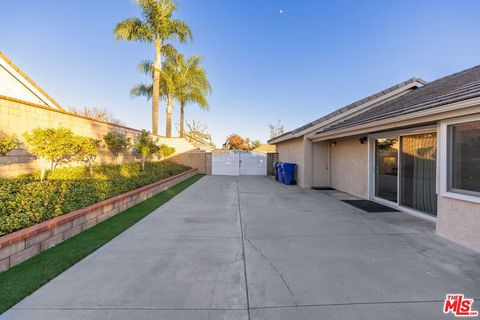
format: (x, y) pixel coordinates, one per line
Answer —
(384, 124)
(282, 138)
(412, 83)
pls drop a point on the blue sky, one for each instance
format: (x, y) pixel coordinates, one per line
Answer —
(263, 65)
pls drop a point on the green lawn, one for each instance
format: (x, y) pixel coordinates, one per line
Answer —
(23, 279)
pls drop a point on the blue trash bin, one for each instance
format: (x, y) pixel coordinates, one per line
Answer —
(280, 172)
(289, 173)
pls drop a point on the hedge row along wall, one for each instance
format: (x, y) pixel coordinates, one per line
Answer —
(17, 117)
(24, 244)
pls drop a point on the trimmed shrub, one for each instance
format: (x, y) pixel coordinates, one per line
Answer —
(25, 201)
(7, 143)
(87, 150)
(165, 150)
(117, 143)
(60, 145)
(145, 146)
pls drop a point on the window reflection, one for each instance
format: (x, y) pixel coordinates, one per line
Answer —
(386, 168)
(464, 152)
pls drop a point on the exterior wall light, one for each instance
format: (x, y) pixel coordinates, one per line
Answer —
(363, 140)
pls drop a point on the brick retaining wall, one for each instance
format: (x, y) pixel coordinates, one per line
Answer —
(24, 244)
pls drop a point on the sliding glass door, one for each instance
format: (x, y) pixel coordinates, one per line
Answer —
(418, 172)
(405, 171)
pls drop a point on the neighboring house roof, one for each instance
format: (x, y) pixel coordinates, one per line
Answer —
(457, 87)
(24, 79)
(356, 106)
(266, 148)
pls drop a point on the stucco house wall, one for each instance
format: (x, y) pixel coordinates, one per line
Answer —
(459, 221)
(293, 151)
(349, 166)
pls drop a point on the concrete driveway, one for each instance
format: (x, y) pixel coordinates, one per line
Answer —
(250, 248)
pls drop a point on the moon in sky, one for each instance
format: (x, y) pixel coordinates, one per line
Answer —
(281, 11)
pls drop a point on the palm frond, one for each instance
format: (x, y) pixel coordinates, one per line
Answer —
(142, 90)
(166, 81)
(169, 51)
(146, 67)
(191, 82)
(178, 29)
(133, 29)
(199, 98)
(195, 60)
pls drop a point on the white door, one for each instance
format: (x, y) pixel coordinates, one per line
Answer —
(320, 155)
(253, 164)
(235, 163)
(226, 163)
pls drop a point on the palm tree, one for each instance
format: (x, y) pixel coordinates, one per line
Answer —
(156, 26)
(180, 79)
(165, 83)
(191, 85)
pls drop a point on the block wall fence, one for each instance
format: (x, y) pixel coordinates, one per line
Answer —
(24, 244)
(17, 117)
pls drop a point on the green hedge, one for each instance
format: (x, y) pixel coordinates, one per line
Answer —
(25, 201)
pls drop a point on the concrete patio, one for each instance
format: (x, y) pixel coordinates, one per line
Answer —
(250, 248)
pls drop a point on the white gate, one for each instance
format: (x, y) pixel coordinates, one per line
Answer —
(235, 163)
(225, 163)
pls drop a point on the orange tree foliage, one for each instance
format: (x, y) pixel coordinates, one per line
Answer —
(236, 142)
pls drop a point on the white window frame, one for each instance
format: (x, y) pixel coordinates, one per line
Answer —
(444, 163)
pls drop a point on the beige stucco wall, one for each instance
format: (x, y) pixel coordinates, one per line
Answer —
(17, 118)
(348, 161)
(293, 151)
(349, 166)
(459, 221)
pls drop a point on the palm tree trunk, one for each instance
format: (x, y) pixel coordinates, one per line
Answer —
(156, 86)
(168, 126)
(182, 120)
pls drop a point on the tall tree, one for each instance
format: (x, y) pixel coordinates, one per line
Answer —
(276, 129)
(180, 79)
(166, 86)
(236, 142)
(101, 114)
(157, 26)
(191, 84)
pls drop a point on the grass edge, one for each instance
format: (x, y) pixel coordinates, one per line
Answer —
(25, 278)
